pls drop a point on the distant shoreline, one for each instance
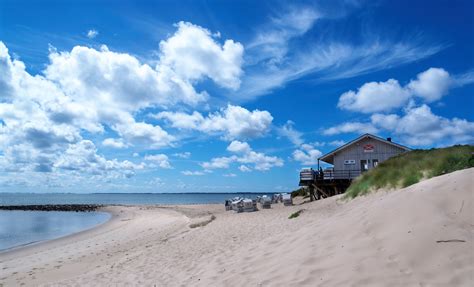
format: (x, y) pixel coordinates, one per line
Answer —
(110, 199)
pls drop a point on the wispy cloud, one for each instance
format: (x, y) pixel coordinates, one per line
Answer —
(281, 53)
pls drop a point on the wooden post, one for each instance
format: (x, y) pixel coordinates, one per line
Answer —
(311, 192)
(322, 191)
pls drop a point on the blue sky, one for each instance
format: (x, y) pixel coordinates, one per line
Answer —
(221, 96)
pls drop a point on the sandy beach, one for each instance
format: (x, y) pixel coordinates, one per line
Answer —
(422, 235)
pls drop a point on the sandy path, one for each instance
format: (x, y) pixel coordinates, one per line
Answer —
(387, 239)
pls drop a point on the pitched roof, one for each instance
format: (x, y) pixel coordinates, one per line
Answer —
(326, 157)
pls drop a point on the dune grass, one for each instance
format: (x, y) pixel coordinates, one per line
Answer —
(295, 214)
(411, 167)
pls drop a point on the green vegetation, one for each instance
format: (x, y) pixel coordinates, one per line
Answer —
(295, 214)
(299, 192)
(411, 167)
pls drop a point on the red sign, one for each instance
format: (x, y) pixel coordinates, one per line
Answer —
(369, 148)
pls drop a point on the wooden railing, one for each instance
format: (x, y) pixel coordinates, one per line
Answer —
(329, 175)
(339, 174)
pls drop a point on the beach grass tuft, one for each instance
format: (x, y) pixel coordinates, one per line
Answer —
(412, 167)
(295, 214)
(203, 223)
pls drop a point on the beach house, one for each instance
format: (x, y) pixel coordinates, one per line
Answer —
(348, 162)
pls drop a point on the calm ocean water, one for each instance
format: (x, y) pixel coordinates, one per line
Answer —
(118, 198)
(18, 228)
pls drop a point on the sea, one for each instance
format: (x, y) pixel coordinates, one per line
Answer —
(23, 228)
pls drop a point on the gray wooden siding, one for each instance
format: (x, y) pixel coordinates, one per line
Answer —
(382, 152)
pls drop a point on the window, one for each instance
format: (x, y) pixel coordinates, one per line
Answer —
(364, 165)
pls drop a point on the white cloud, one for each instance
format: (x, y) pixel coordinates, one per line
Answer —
(245, 155)
(184, 155)
(218, 162)
(289, 132)
(142, 133)
(244, 168)
(119, 80)
(351, 127)
(85, 91)
(192, 173)
(430, 85)
(114, 143)
(234, 122)
(420, 127)
(463, 79)
(337, 143)
(271, 42)
(307, 154)
(239, 147)
(91, 34)
(160, 159)
(276, 57)
(82, 156)
(193, 54)
(374, 97)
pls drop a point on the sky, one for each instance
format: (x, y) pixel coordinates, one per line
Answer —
(221, 96)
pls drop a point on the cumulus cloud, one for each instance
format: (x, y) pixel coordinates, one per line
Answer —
(239, 147)
(91, 34)
(233, 122)
(82, 156)
(420, 127)
(193, 54)
(114, 143)
(307, 154)
(218, 162)
(142, 133)
(374, 97)
(429, 86)
(417, 126)
(245, 155)
(161, 159)
(101, 76)
(44, 118)
(87, 91)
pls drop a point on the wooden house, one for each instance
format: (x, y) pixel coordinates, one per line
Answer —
(349, 161)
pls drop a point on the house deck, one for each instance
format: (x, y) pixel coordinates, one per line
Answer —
(326, 184)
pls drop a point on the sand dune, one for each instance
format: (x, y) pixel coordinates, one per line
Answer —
(422, 235)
